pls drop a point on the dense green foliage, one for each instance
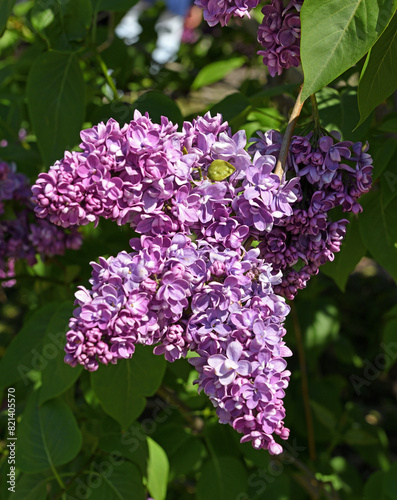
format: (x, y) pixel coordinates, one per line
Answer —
(140, 427)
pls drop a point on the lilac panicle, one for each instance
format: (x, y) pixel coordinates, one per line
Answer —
(279, 34)
(192, 282)
(332, 174)
(235, 324)
(155, 179)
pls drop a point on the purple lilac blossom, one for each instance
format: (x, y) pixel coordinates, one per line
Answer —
(155, 178)
(22, 236)
(279, 34)
(213, 296)
(221, 11)
(332, 174)
(235, 324)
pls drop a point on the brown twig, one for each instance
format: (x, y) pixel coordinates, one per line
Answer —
(282, 157)
(304, 382)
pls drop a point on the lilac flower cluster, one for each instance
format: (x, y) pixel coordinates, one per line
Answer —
(279, 34)
(169, 291)
(221, 11)
(22, 236)
(156, 179)
(216, 296)
(332, 174)
(234, 323)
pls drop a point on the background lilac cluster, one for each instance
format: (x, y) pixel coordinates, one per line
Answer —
(22, 236)
(222, 11)
(279, 33)
(332, 174)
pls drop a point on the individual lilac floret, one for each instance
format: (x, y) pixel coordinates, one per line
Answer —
(22, 236)
(228, 367)
(221, 11)
(279, 34)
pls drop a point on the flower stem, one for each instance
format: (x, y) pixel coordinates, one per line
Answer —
(315, 115)
(282, 157)
(304, 383)
(108, 78)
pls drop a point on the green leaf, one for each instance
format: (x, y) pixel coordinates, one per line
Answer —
(62, 23)
(359, 437)
(383, 156)
(147, 370)
(31, 487)
(157, 105)
(121, 388)
(216, 71)
(120, 111)
(389, 336)
(6, 7)
(373, 489)
(57, 376)
(324, 415)
(56, 102)
(382, 485)
(220, 170)
(378, 231)
(388, 184)
(338, 110)
(319, 320)
(24, 352)
(114, 5)
(114, 387)
(222, 478)
(390, 124)
(336, 34)
(232, 107)
(157, 470)
(117, 481)
(390, 481)
(379, 78)
(188, 457)
(48, 435)
(185, 452)
(220, 439)
(132, 443)
(345, 261)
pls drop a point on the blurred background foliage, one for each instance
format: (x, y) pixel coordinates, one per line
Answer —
(140, 427)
